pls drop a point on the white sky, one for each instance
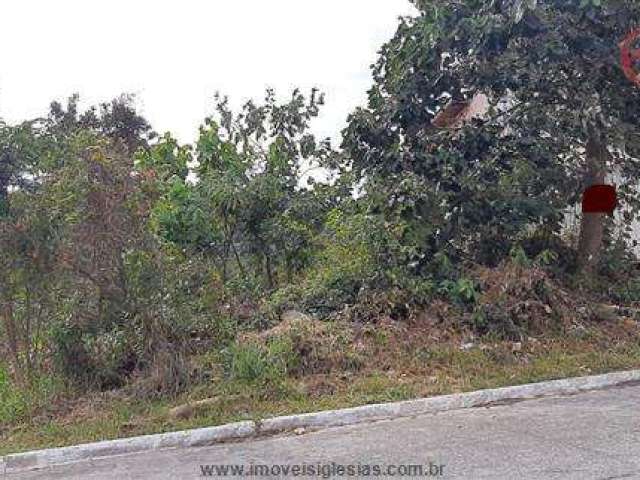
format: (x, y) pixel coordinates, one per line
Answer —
(175, 54)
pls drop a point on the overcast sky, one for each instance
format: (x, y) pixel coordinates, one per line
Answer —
(175, 54)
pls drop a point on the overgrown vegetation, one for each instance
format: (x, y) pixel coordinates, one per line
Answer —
(431, 254)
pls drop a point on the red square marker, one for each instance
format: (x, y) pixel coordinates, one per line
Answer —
(600, 199)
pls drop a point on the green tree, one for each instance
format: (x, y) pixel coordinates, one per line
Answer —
(117, 120)
(28, 239)
(550, 72)
(74, 214)
(247, 208)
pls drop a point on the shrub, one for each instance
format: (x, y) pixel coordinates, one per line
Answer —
(261, 363)
(463, 291)
(351, 258)
(626, 291)
(518, 301)
(13, 403)
(102, 360)
(18, 402)
(301, 345)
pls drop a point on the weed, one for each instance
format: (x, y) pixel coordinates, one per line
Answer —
(256, 363)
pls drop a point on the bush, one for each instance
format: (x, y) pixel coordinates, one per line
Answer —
(463, 291)
(18, 402)
(626, 292)
(517, 301)
(13, 404)
(102, 360)
(351, 258)
(301, 345)
(253, 362)
(163, 320)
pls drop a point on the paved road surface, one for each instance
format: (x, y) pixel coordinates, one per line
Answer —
(594, 435)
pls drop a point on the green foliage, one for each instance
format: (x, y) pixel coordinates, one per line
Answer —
(181, 217)
(519, 256)
(348, 260)
(462, 291)
(618, 277)
(13, 403)
(18, 402)
(245, 211)
(546, 257)
(257, 363)
(123, 253)
(545, 67)
(167, 159)
(626, 292)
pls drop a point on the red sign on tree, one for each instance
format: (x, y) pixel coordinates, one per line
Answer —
(600, 199)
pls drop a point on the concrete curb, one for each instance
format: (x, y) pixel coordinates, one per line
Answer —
(20, 462)
(480, 398)
(206, 436)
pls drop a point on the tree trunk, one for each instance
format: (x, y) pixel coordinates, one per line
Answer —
(11, 331)
(238, 261)
(269, 271)
(592, 224)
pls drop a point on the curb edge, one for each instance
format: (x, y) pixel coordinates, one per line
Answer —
(38, 459)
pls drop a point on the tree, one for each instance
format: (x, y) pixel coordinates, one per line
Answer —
(247, 205)
(72, 214)
(117, 120)
(550, 72)
(30, 232)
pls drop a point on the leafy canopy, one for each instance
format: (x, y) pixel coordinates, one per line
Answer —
(551, 75)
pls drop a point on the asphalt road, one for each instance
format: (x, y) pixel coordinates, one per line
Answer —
(595, 435)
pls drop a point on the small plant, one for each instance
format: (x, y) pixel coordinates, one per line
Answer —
(420, 290)
(626, 292)
(245, 362)
(519, 257)
(255, 363)
(462, 291)
(466, 290)
(546, 257)
(12, 401)
(379, 336)
(479, 320)
(17, 402)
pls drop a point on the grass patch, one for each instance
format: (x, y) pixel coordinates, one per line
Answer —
(19, 404)
(402, 370)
